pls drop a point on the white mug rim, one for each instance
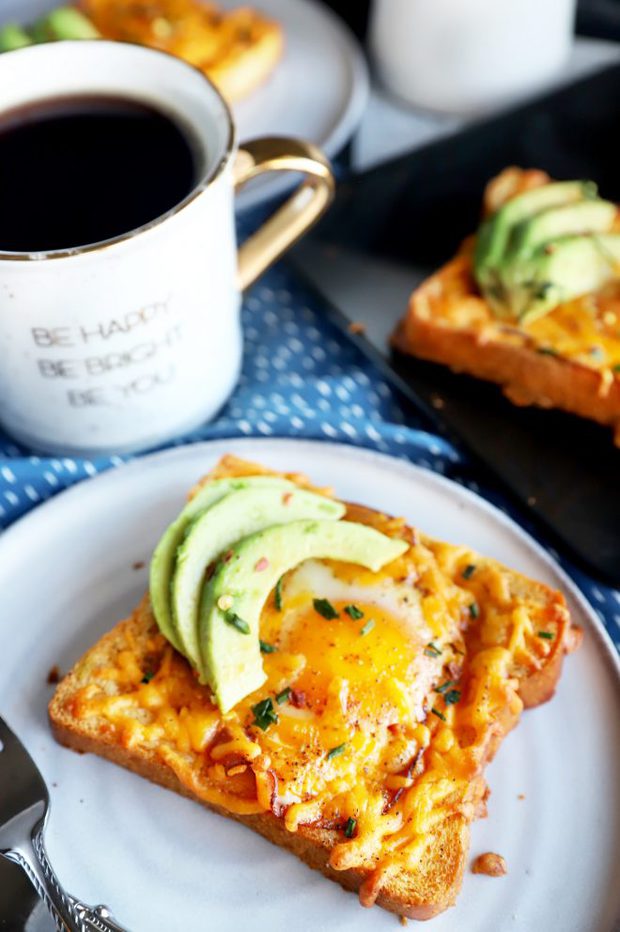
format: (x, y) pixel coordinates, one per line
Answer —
(208, 176)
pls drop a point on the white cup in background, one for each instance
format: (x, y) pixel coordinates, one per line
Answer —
(464, 56)
(120, 345)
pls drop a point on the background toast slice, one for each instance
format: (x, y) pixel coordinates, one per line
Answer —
(558, 361)
(418, 893)
(236, 49)
(500, 354)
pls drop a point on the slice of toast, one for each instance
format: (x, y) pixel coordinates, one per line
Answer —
(568, 359)
(236, 49)
(133, 700)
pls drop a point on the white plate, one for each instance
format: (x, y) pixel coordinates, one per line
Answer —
(163, 863)
(318, 91)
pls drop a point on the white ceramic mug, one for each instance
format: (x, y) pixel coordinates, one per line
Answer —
(464, 56)
(120, 345)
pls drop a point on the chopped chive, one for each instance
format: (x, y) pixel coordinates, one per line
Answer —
(474, 611)
(438, 714)
(541, 288)
(546, 351)
(616, 368)
(548, 635)
(232, 619)
(277, 595)
(336, 752)
(469, 571)
(350, 827)
(367, 628)
(431, 650)
(148, 676)
(267, 648)
(325, 608)
(264, 714)
(284, 696)
(452, 696)
(445, 686)
(354, 612)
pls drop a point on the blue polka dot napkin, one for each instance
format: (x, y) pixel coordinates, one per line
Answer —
(300, 378)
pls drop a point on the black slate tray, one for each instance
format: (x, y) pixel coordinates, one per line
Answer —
(393, 225)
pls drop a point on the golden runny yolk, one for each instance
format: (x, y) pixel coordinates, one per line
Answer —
(351, 682)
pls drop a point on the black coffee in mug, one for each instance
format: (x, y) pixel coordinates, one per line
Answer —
(82, 169)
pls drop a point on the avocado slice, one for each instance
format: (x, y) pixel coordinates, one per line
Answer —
(163, 559)
(565, 269)
(230, 656)
(64, 23)
(494, 234)
(584, 217)
(237, 515)
(13, 36)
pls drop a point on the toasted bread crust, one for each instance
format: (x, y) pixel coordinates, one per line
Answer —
(527, 376)
(423, 895)
(420, 893)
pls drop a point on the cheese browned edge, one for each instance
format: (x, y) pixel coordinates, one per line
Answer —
(436, 880)
(541, 363)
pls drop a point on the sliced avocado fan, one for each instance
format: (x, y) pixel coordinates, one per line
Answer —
(232, 601)
(62, 23)
(239, 514)
(594, 216)
(528, 257)
(568, 267)
(494, 234)
(164, 557)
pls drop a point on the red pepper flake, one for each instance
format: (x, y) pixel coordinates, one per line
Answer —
(286, 498)
(227, 556)
(297, 698)
(262, 564)
(138, 565)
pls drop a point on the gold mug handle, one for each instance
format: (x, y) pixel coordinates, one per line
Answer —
(297, 214)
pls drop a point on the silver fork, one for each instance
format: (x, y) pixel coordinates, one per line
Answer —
(24, 807)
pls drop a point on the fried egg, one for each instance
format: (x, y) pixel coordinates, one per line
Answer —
(350, 647)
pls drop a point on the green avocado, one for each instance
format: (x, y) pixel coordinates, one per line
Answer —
(592, 216)
(63, 23)
(565, 269)
(164, 557)
(13, 37)
(494, 234)
(237, 515)
(233, 600)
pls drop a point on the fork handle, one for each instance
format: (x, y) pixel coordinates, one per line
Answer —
(96, 918)
(83, 917)
(48, 887)
(70, 915)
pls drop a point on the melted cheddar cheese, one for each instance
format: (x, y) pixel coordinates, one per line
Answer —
(379, 735)
(586, 330)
